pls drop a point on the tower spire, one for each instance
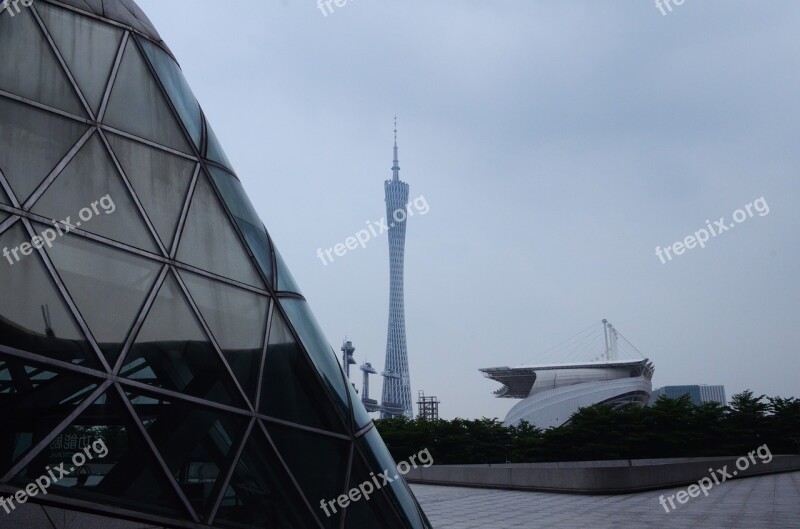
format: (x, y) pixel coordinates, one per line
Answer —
(396, 166)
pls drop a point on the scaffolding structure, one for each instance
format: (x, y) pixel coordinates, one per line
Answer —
(428, 407)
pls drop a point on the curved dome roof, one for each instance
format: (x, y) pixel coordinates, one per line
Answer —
(121, 11)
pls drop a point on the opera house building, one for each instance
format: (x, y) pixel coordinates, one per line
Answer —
(551, 393)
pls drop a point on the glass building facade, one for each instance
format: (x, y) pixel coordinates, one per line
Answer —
(698, 394)
(144, 306)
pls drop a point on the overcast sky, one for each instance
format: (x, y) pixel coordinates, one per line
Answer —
(557, 143)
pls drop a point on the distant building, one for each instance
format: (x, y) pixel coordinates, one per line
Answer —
(552, 393)
(698, 394)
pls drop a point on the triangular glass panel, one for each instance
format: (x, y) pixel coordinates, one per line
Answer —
(92, 6)
(214, 150)
(87, 46)
(320, 351)
(173, 352)
(380, 460)
(3, 216)
(33, 400)
(34, 517)
(128, 13)
(33, 315)
(286, 282)
(310, 455)
(108, 286)
(47, 82)
(260, 492)
(246, 218)
(210, 242)
(237, 319)
(160, 180)
(197, 444)
(91, 193)
(119, 468)
(4, 197)
(137, 104)
(170, 75)
(376, 513)
(68, 518)
(360, 416)
(40, 141)
(289, 388)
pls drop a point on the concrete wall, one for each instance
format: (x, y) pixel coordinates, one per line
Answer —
(596, 477)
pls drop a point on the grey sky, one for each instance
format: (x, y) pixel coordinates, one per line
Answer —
(557, 144)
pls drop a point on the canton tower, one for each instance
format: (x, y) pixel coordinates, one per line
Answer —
(396, 383)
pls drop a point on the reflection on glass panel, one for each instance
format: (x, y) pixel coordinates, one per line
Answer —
(310, 456)
(20, 36)
(210, 242)
(173, 352)
(33, 400)
(159, 179)
(214, 150)
(246, 217)
(124, 11)
(237, 319)
(360, 415)
(286, 282)
(4, 197)
(91, 193)
(138, 106)
(319, 350)
(234, 196)
(109, 286)
(380, 460)
(177, 88)
(37, 320)
(289, 389)
(195, 443)
(376, 513)
(258, 240)
(260, 493)
(423, 517)
(87, 46)
(39, 139)
(119, 468)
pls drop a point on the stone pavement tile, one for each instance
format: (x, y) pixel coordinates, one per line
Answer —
(763, 502)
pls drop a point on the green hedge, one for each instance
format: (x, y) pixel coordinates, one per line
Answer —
(670, 428)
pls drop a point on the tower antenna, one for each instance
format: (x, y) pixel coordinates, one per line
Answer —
(396, 165)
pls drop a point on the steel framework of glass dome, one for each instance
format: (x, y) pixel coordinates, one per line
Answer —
(168, 326)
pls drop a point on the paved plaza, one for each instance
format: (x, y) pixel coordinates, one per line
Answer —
(763, 502)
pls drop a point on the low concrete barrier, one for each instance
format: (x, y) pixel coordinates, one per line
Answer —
(596, 477)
